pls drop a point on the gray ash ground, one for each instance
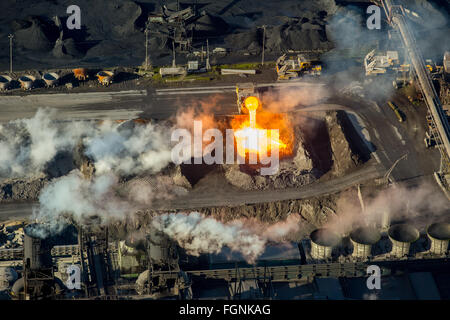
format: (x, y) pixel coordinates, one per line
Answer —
(112, 31)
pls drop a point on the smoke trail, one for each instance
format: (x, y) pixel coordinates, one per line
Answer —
(198, 234)
(423, 203)
(289, 99)
(81, 198)
(28, 145)
(129, 149)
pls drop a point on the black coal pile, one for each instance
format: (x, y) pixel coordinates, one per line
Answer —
(35, 34)
(208, 25)
(112, 32)
(67, 49)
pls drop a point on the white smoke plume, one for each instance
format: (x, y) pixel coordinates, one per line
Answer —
(294, 98)
(199, 234)
(103, 197)
(28, 145)
(81, 198)
(129, 150)
(422, 204)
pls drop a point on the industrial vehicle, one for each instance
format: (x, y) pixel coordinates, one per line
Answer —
(27, 82)
(397, 111)
(295, 67)
(51, 79)
(81, 74)
(5, 82)
(105, 77)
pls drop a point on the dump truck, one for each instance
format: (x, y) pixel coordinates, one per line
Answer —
(105, 78)
(27, 82)
(5, 82)
(397, 111)
(51, 79)
(244, 90)
(295, 67)
(80, 74)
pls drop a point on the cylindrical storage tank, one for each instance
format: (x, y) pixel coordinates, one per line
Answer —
(401, 236)
(322, 242)
(362, 239)
(27, 81)
(439, 234)
(133, 247)
(160, 248)
(36, 247)
(51, 79)
(7, 277)
(5, 82)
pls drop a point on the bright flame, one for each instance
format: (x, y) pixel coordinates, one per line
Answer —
(252, 103)
(252, 138)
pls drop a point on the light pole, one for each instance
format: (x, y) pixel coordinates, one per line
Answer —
(263, 45)
(208, 66)
(10, 53)
(146, 48)
(174, 64)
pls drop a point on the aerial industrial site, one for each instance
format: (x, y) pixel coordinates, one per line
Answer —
(224, 150)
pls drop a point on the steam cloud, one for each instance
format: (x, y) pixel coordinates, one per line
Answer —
(72, 194)
(290, 99)
(420, 203)
(198, 234)
(28, 145)
(129, 150)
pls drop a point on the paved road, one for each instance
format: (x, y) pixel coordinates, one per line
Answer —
(76, 106)
(16, 210)
(129, 104)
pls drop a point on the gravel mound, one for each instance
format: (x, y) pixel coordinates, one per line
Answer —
(20, 190)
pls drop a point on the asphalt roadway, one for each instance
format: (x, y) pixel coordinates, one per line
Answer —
(376, 124)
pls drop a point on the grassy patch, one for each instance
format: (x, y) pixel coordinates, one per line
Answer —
(243, 66)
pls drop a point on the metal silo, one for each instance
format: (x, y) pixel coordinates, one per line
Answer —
(36, 248)
(401, 236)
(439, 234)
(322, 242)
(362, 239)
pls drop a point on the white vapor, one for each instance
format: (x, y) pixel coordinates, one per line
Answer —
(28, 145)
(129, 150)
(199, 234)
(74, 195)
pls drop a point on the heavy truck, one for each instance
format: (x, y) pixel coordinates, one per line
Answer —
(297, 66)
(400, 116)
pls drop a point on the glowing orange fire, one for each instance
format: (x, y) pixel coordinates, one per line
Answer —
(255, 135)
